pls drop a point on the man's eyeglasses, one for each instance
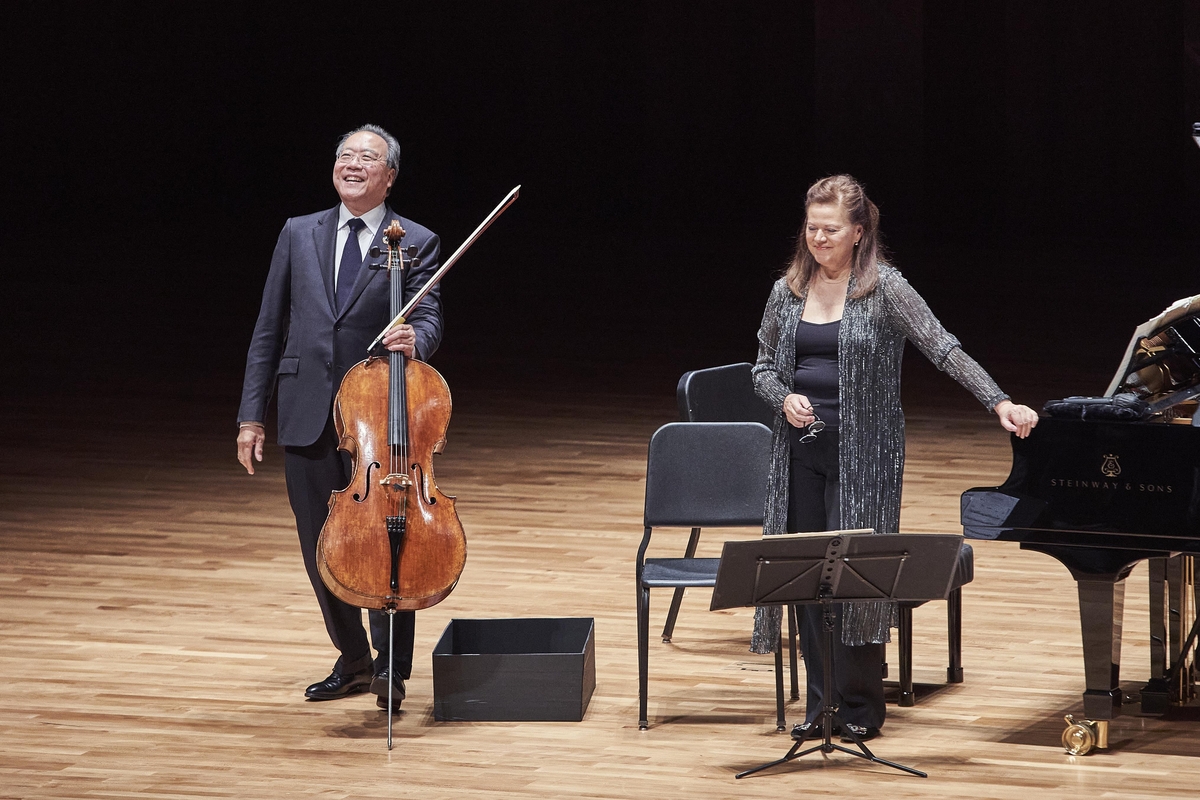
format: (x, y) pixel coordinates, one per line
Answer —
(813, 428)
(366, 159)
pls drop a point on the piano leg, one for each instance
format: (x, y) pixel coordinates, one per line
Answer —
(1101, 611)
(1156, 695)
(1172, 604)
(1100, 578)
(1193, 666)
(1181, 577)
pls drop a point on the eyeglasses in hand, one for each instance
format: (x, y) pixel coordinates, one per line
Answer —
(812, 429)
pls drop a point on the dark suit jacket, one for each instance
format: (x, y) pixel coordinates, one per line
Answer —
(304, 343)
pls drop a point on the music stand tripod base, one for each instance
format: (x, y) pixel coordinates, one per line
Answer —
(828, 718)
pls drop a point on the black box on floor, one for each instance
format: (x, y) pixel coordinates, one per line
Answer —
(514, 669)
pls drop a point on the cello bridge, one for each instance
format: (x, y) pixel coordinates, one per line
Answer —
(396, 480)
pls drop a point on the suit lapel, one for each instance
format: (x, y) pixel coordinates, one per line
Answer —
(324, 237)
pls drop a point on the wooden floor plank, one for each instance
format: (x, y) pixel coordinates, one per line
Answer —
(158, 630)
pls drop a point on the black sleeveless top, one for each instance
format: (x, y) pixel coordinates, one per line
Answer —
(817, 370)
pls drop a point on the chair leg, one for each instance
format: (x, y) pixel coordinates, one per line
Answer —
(954, 672)
(643, 623)
(883, 655)
(669, 627)
(794, 652)
(689, 552)
(780, 718)
(907, 698)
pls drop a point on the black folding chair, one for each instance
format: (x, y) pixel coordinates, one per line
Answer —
(698, 475)
(726, 394)
(721, 394)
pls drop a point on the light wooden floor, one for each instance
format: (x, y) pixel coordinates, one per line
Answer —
(158, 630)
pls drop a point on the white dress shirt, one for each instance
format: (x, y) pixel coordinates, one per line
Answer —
(372, 219)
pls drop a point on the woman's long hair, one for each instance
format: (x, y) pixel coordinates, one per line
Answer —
(851, 197)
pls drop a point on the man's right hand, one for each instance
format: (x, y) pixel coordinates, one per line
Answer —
(250, 441)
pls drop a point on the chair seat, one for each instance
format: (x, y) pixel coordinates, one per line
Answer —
(964, 571)
(660, 572)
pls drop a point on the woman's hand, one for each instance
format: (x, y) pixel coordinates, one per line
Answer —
(1015, 419)
(798, 410)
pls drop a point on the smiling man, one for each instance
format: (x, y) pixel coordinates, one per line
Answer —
(321, 308)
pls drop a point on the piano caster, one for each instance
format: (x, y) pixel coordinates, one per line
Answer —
(1080, 737)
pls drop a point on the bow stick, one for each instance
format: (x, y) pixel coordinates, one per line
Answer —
(508, 200)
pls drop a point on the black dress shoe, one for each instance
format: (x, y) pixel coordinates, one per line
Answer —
(339, 685)
(382, 703)
(863, 734)
(800, 729)
(379, 688)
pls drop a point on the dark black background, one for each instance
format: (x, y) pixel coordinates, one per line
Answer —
(1032, 160)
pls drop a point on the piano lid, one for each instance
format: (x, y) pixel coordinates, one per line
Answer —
(1162, 362)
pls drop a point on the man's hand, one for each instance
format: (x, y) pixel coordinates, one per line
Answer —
(402, 338)
(250, 440)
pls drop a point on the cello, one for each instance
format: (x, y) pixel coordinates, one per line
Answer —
(393, 540)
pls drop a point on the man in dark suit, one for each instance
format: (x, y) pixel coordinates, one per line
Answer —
(321, 308)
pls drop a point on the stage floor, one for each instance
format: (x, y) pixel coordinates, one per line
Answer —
(158, 629)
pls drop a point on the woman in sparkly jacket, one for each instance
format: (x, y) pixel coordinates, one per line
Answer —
(829, 353)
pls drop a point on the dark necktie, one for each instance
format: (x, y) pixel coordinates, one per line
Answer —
(352, 259)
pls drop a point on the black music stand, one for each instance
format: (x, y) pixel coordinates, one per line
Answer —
(834, 567)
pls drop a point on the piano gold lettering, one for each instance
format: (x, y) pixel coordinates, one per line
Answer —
(1115, 486)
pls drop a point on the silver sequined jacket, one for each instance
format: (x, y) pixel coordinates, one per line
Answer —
(870, 344)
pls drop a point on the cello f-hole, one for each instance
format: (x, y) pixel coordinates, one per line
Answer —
(374, 465)
(424, 484)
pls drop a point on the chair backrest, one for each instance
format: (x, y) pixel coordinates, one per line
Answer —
(721, 394)
(707, 474)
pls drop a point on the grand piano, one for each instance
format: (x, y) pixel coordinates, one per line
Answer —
(1100, 496)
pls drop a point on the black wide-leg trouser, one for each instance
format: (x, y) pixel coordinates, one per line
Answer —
(814, 505)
